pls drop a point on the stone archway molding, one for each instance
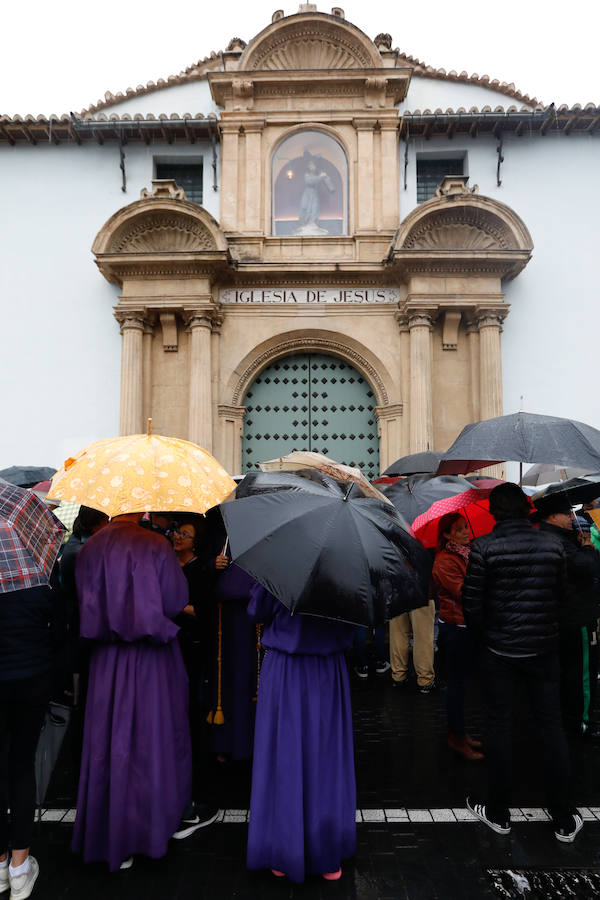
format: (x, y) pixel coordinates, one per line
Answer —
(306, 341)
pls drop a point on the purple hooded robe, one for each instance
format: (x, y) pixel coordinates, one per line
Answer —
(136, 763)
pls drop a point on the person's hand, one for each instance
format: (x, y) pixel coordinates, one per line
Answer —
(221, 562)
(584, 538)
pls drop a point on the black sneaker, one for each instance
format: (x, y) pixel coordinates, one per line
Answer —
(197, 815)
(479, 810)
(382, 666)
(427, 688)
(400, 683)
(362, 671)
(569, 829)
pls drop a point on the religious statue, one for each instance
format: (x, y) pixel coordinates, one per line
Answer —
(310, 204)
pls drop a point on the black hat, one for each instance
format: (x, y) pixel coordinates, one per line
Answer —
(547, 504)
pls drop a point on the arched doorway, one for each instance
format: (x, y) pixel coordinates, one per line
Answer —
(311, 401)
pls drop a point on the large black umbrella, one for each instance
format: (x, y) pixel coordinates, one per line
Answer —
(523, 437)
(27, 476)
(573, 491)
(322, 552)
(415, 464)
(414, 495)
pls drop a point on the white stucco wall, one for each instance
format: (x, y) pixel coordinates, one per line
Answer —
(549, 345)
(190, 98)
(434, 93)
(61, 353)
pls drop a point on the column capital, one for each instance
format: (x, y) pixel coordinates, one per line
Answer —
(420, 318)
(130, 319)
(391, 411)
(402, 322)
(231, 412)
(203, 317)
(490, 318)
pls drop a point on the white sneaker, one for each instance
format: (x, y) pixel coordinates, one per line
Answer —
(127, 863)
(4, 880)
(568, 831)
(22, 886)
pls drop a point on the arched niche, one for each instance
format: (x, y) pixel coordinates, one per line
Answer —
(309, 185)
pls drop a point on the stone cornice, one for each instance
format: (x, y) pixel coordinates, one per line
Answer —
(392, 411)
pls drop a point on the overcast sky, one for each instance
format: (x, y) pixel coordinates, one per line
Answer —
(64, 55)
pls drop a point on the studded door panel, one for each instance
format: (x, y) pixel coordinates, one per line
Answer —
(311, 402)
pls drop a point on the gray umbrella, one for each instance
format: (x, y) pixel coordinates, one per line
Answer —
(27, 476)
(543, 473)
(523, 437)
(415, 464)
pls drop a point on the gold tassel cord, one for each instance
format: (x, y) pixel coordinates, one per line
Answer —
(259, 629)
(218, 718)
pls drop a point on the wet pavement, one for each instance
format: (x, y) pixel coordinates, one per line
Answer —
(415, 838)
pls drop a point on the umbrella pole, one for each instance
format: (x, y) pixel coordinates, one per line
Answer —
(520, 474)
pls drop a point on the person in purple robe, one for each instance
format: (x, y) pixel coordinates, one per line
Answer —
(136, 763)
(303, 803)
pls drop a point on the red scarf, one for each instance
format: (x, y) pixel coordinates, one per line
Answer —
(460, 549)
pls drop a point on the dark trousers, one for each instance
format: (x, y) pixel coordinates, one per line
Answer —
(578, 674)
(23, 706)
(458, 649)
(360, 644)
(540, 676)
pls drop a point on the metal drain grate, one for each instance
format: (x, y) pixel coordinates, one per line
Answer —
(545, 884)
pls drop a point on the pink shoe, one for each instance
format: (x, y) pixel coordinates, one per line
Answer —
(278, 874)
(333, 876)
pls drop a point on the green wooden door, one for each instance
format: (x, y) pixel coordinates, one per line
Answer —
(310, 401)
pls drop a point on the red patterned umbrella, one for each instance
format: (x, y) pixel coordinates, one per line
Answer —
(30, 538)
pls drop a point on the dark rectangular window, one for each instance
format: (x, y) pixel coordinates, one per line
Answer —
(187, 175)
(431, 172)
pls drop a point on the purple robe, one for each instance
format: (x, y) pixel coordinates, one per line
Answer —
(303, 804)
(239, 666)
(136, 763)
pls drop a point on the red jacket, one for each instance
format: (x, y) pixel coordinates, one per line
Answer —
(449, 570)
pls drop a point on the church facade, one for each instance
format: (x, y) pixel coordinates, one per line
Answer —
(310, 241)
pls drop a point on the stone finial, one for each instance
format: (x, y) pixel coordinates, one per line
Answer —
(383, 41)
(455, 184)
(163, 188)
(307, 8)
(277, 15)
(338, 11)
(235, 45)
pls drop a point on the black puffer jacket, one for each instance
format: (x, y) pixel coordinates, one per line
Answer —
(580, 602)
(514, 582)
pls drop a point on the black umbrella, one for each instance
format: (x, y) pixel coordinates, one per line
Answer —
(573, 491)
(321, 552)
(415, 464)
(310, 480)
(27, 476)
(523, 437)
(416, 494)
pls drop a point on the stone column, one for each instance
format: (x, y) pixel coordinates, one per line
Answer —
(229, 175)
(473, 343)
(254, 173)
(490, 365)
(132, 333)
(232, 426)
(365, 183)
(147, 369)
(389, 427)
(420, 323)
(390, 214)
(200, 393)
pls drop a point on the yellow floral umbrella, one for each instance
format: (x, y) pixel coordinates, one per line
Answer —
(142, 473)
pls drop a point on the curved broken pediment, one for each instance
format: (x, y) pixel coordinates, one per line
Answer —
(460, 229)
(315, 41)
(155, 232)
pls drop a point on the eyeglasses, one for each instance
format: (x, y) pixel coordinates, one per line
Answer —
(183, 534)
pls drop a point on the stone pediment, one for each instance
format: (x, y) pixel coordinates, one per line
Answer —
(460, 229)
(155, 232)
(310, 41)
